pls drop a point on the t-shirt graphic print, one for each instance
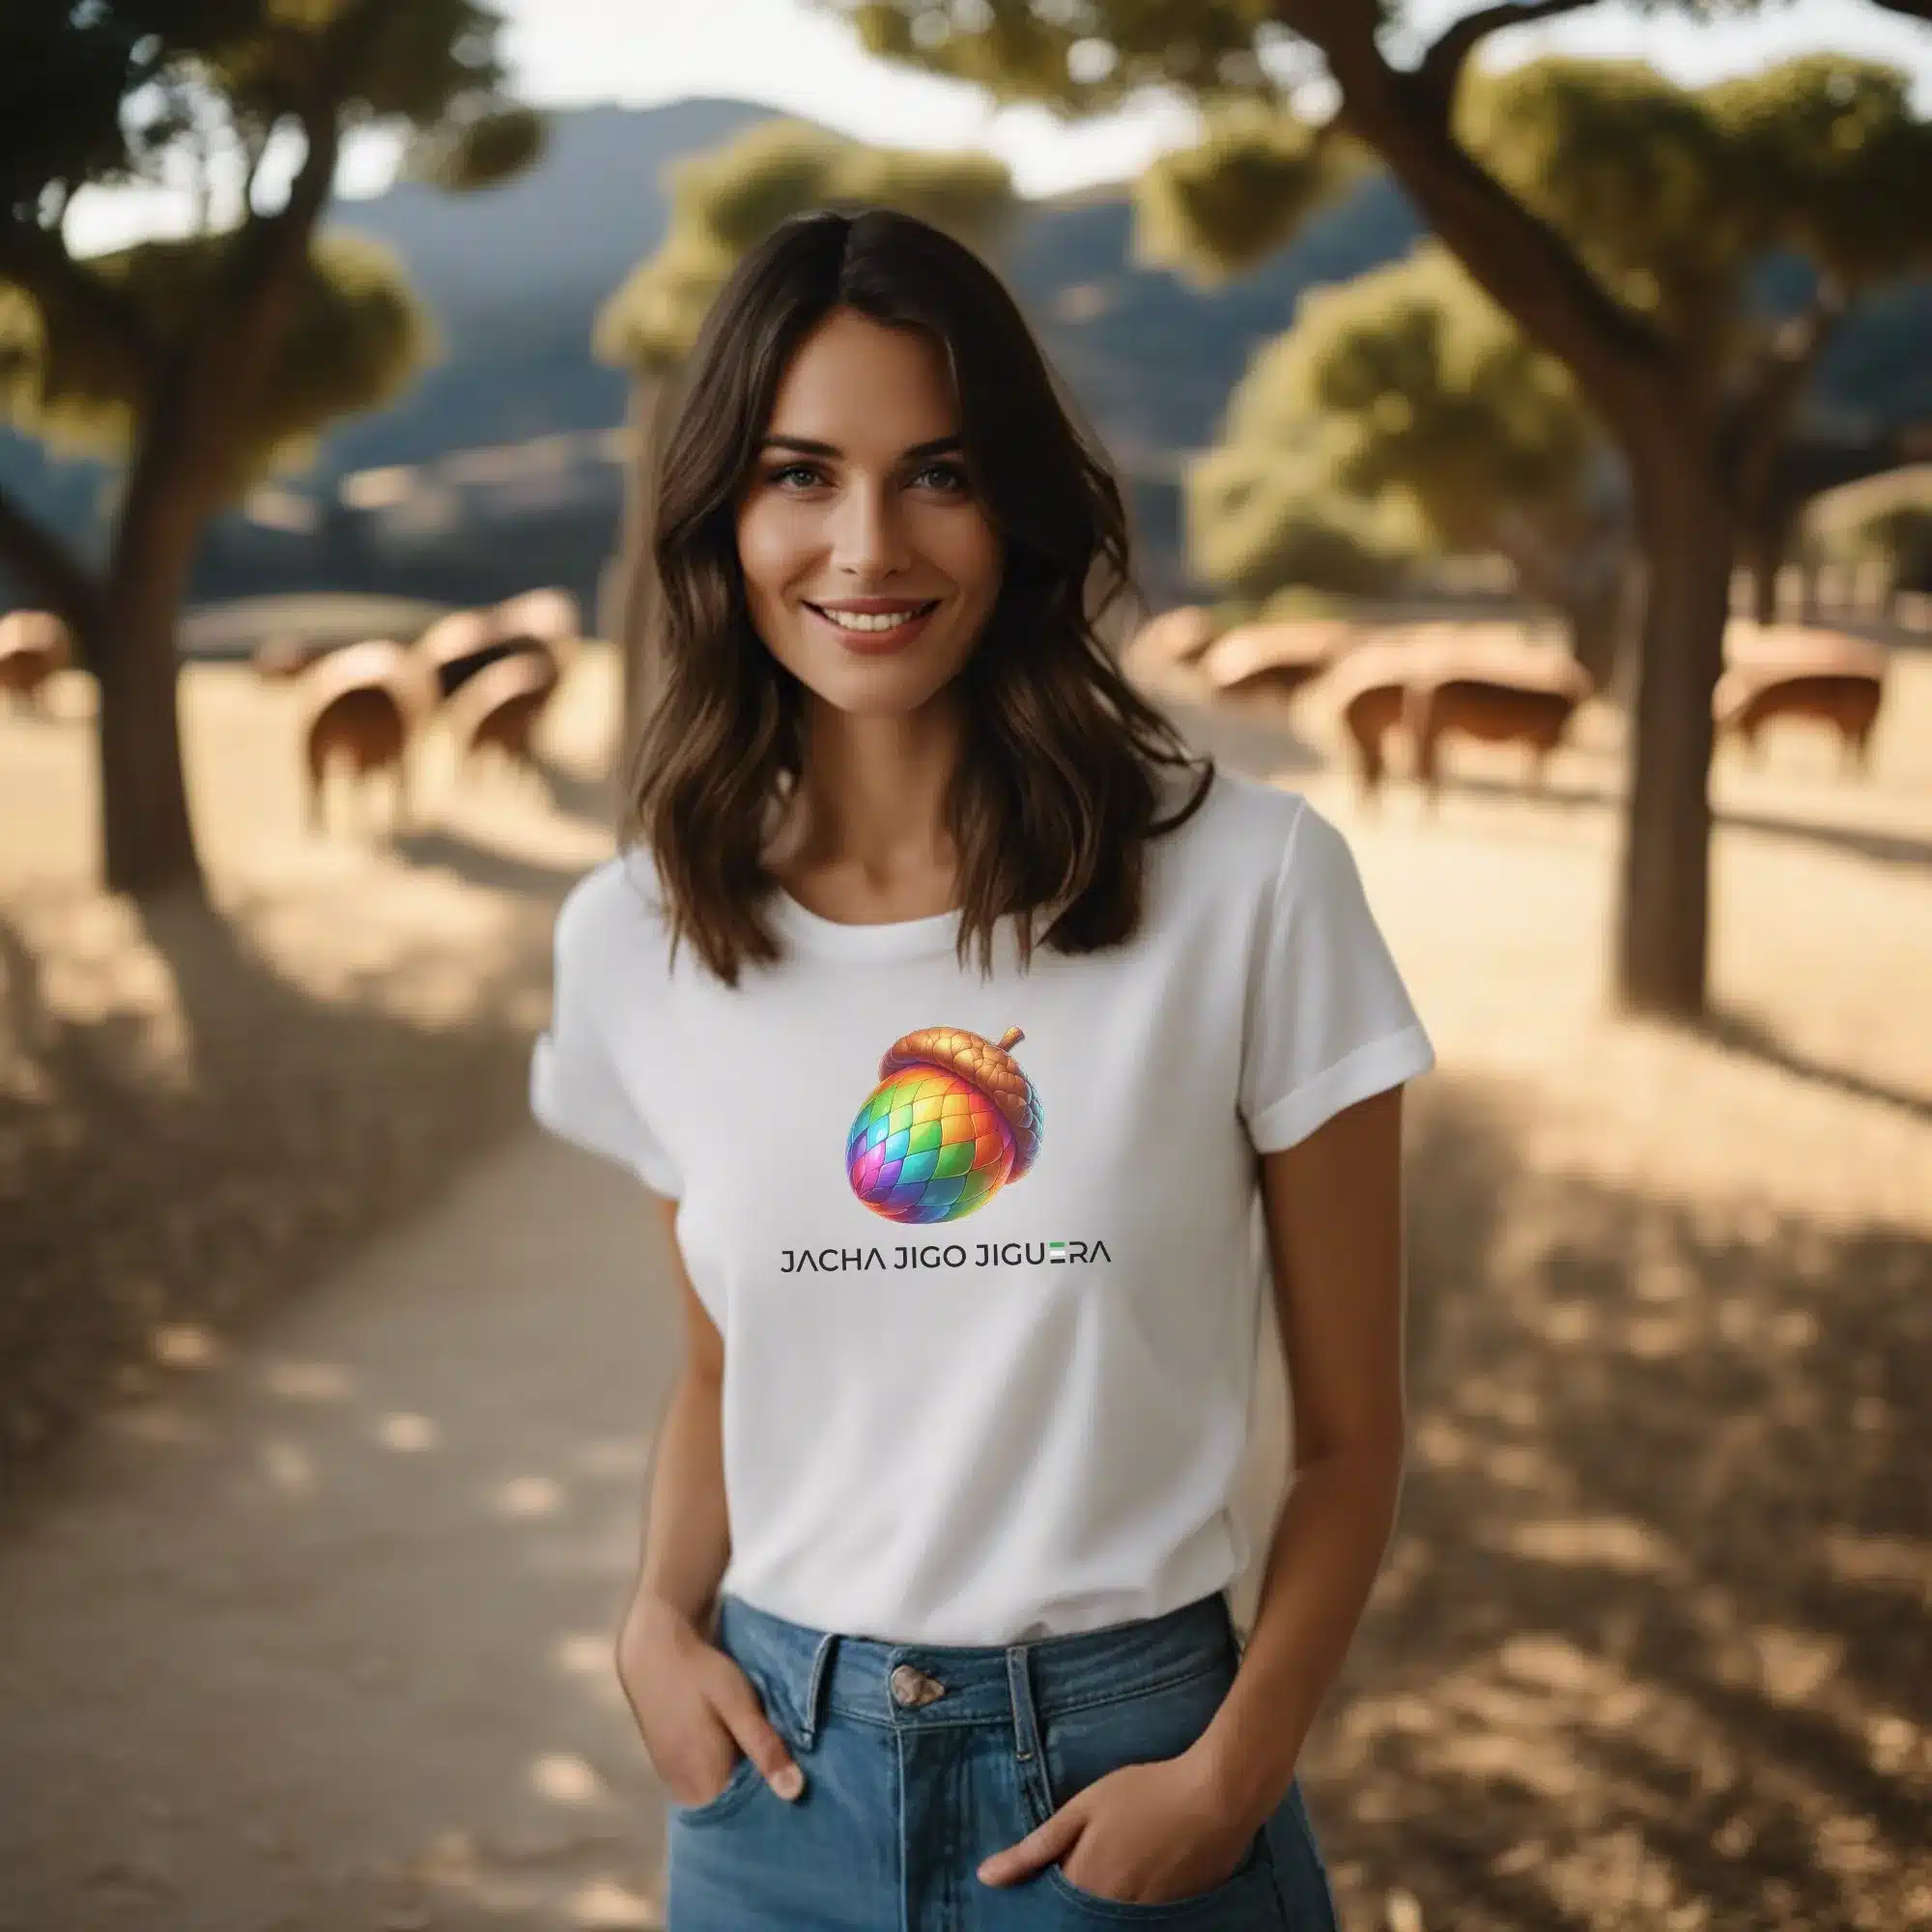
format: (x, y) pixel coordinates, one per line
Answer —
(985, 1250)
(951, 1122)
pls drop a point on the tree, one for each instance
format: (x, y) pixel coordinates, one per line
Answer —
(1265, 516)
(207, 359)
(723, 204)
(1822, 157)
(1408, 386)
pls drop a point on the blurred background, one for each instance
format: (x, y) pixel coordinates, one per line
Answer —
(1525, 414)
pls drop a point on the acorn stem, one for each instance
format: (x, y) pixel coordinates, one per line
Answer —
(1010, 1038)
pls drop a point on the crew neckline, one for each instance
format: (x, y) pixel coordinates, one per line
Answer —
(888, 939)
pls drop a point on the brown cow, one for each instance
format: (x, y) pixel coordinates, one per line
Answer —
(1368, 686)
(1794, 671)
(34, 645)
(499, 707)
(1278, 658)
(458, 646)
(1175, 636)
(1496, 692)
(363, 704)
(283, 655)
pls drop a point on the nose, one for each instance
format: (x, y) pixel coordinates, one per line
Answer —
(869, 539)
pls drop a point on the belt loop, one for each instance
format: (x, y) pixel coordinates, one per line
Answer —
(818, 1688)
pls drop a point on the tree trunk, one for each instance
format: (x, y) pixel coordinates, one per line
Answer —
(1595, 620)
(652, 397)
(1662, 915)
(148, 837)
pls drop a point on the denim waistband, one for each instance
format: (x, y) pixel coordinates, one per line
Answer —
(811, 1672)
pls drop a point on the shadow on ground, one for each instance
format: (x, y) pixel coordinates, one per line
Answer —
(132, 1198)
(1651, 1647)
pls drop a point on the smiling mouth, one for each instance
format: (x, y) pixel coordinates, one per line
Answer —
(872, 617)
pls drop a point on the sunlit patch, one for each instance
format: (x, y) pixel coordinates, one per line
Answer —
(606, 1902)
(1607, 1543)
(530, 1496)
(407, 1432)
(288, 1466)
(186, 1345)
(1794, 1664)
(564, 1778)
(307, 1382)
(582, 1654)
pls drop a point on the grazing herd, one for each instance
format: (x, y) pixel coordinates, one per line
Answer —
(488, 677)
(487, 674)
(1435, 681)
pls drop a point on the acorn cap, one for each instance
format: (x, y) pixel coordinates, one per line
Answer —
(989, 1066)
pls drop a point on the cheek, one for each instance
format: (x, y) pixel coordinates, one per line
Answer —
(970, 556)
(770, 552)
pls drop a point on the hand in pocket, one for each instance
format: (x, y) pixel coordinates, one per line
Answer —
(696, 1710)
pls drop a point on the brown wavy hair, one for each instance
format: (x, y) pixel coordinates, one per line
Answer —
(1055, 787)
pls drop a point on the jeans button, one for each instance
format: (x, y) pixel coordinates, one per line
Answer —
(913, 1688)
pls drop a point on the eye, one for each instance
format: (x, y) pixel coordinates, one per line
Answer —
(952, 469)
(789, 470)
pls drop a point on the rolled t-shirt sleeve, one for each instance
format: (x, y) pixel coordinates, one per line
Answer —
(1328, 1021)
(577, 1091)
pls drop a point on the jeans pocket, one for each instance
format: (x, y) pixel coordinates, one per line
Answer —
(1082, 1745)
(745, 1778)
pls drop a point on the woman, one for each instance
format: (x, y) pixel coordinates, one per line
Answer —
(971, 1258)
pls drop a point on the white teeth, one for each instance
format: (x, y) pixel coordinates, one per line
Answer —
(866, 620)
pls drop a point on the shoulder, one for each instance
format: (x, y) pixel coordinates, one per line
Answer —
(1245, 831)
(608, 911)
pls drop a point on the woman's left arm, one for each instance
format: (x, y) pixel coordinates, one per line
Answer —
(1334, 1208)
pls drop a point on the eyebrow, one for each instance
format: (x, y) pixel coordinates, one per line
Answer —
(811, 447)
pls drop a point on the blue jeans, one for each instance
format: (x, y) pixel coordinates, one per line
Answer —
(922, 1760)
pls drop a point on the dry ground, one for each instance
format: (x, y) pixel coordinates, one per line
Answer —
(1650, 1650)
(194, 1110)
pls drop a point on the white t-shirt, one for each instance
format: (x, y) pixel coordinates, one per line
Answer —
(990, 1313)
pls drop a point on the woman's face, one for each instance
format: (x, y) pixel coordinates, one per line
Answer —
(860, 496)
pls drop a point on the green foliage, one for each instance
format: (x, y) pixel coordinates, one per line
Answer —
(101, 92)
(1073, 57)
(420, 63)
(1258, 520)
(1423, 385)
(462, 157)
(726, 201)
(1671, 195)
(356, 337)
(1214, 210)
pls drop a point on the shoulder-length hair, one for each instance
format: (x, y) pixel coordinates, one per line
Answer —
(1056, 788)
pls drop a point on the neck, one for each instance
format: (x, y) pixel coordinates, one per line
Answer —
(870, 796)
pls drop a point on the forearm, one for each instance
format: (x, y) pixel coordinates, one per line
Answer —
(1329, 1545)
(687, 1538)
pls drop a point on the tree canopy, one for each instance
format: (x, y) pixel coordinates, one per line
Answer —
(207, 358)
(725, 201)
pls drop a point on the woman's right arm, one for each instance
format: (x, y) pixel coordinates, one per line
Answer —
(687, 1533)
(695, 1707)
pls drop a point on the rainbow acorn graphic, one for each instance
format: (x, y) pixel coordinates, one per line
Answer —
(952, 1121)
